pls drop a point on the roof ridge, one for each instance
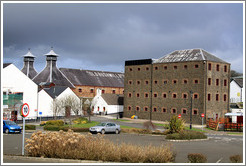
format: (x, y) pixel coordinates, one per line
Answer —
(92, 70)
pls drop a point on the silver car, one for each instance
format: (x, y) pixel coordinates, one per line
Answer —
(105, 127)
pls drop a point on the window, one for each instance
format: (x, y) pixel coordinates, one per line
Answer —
(174, 95)
(138, 95)
(139, 69)
(209, 81)
(103, 91)
(147, 68)
(80, 90)
(209, 66)
(146, 95)
(175, 67)
(129, 94)
(155, 95)
(113, 91)
(137, 108)
(164, 110)
(217, 97)
(91, 90)
(174, 110)
(129, 108)
(155, 109)
(195, 111)
(130, 69)
(156, 68)
(195, 95)
(217, 82)
(175, 81)
(218, 67)
(165, 82)
(138, 82)
(225, 96)
(196, 81)
(165, 67)
(184, 95)
(130, 82)
(209, 97)
(196, 66)
(145, 108)
(164, 95)
(185, 67)
(146, 82)
(225, 82)
(185, 81)
(225, 68)
(184, 111)
(156, 82)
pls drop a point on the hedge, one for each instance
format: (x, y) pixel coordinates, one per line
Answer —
(64, 128)
(55, 122)
(30, 127)
(186, 135)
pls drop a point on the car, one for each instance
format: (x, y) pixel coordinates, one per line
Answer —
(11, 127)
(105, 127)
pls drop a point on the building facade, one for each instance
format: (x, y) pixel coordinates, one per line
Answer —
(236, 90)
(176, 84)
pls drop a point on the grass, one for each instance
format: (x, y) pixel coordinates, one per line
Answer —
(86, 125)
(122, 120)
(127, 127)
(235, 133)
(195, 129)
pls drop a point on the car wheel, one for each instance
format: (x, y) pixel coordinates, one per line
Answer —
(7, 131)
(117, 131)
(103, 131)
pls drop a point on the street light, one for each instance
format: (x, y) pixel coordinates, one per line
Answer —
(191, 95)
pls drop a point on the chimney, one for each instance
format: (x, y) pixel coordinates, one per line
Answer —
(28, 68)
(51, 59)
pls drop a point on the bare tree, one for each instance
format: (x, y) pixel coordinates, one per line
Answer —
(56, 106)
(71, 103)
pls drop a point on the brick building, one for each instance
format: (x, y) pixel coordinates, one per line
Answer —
(87, 82)
(175, 84)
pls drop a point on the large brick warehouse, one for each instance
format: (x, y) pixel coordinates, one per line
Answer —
(175, 84)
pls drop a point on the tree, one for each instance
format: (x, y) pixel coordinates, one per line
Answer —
(71, 103)
(56, 106)
(235, 73)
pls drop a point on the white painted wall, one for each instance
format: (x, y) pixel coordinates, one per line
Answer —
(234, 118)
(45, 104)
(14, 80)
(235, 92)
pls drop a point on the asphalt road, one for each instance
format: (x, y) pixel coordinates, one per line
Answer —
(217, 148)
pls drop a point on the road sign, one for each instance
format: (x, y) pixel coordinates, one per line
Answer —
(25, 110)
(202, 115)
(179, 116)
(40, 113)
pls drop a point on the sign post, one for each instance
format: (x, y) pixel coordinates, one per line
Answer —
(202, 115)
(40, 113)
(24, 113)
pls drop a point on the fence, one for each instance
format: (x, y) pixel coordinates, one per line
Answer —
(233, 127)
(224, 124)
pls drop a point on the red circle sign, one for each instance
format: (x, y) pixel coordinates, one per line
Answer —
(179, 116)
(25, 110)
(202, 115)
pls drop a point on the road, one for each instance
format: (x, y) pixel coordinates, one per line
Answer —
(217, 148)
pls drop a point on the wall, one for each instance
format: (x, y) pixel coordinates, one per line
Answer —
(45, 104)
(235, 92)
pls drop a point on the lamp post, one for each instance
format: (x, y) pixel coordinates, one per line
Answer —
(191, 95)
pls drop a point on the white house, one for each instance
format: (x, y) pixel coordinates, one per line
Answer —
(49, 97)
(236, 114)
(107, 103)
(16, 83)
(236, 89)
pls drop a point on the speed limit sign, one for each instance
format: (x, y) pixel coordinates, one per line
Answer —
(25, 110)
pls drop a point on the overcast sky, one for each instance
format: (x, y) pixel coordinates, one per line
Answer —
(103, 36)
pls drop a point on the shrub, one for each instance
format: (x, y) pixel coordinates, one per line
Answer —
(43, 123)
(55, 122)
(30, 127)
(64, 128)
(142, 131)
(197, 158)
(236, 159)
(166, 126)
(80, 120)
(53, 127)
(72, 145)
(176, 125)
(186, 135)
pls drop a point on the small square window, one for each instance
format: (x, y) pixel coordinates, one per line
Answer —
(185, 81)
(175, 67)
(209, 81)
(225, 68)
(155, 109)
(165, 82)
(225, 96)
(129, 108)
(195, 112)
(209, 66)
(147, 68)
(146, 82)
(217, 97)
(156, 68)
(225, 82)
(184, 111)
(113, 91)
(130, 69)
(137, 108)
(185, 96)
(164, 110)
(174, 95)
(129, 95)
(196, 66)
(175, 81)
(156, 82)
(185, 67)
(138, 82)
(103, 91)
(209, 97)
(195, 96)
(145, 108)
(80, 90)
(164, 95)
(218, 67)
(155, 95)
(91, 90)
(196, 81)
(146, 95)
(138, 95)
(174, 111)
(129, 82)
(165, 67)
(217, 82)
(139, 69)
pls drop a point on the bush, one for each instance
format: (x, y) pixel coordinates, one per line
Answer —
(30, 127)
(186, 135)
(176, 125)
(80, 120)
(53, 127)
(43, 123)
(55, 122)
(142, 131)
(72, 145)
(64, 128)
(236, 159)
(166, 126)
(197, 158)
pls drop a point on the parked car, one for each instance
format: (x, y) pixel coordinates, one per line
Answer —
(11, 127)
(105, 127)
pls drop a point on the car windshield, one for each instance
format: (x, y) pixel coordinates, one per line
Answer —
(10, 123)
(101, 124)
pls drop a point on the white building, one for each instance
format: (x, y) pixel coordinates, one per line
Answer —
(16, 82)
(107, 103)
(49, 97)
(236, 89)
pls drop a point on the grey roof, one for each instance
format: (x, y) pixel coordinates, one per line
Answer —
(94, 78)
(188, 55)
(32, 72)
(113, 99)
(239, 81)
(55, 91)
(6, 64)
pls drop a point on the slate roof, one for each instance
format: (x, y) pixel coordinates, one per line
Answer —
(55, 91)
(239, 81)
(188, 55)
(113, 99)
(32, 72)
(94, 78)
(6, 64)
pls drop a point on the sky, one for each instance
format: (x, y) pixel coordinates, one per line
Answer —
(103, 36)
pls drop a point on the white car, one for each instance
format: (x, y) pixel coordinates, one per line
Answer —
(105, 127)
